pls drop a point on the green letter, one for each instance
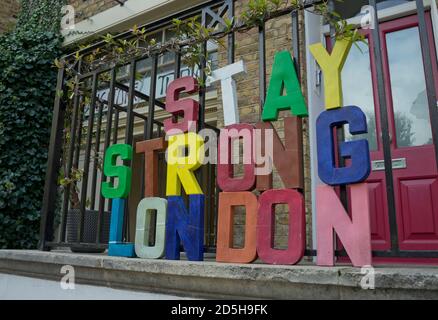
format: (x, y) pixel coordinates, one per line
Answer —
(123, 173)
(284, 76)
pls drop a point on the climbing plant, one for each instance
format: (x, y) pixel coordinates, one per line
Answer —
(27, 91)
(190, 33)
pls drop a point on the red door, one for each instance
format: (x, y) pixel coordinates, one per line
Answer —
(414, 165)
(415, 172)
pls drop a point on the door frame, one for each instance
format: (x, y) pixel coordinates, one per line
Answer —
(316, 32)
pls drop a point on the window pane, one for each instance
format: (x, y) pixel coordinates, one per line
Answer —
(411, 113)
(357, 90)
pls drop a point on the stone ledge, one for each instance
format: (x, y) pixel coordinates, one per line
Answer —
(216, 280)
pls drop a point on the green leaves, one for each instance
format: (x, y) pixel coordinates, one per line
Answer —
(258, 10)
(27, 91)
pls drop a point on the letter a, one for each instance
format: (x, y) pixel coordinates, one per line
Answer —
(284, 76)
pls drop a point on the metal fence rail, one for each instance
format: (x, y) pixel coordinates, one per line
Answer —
(106, 118)
(102, 124)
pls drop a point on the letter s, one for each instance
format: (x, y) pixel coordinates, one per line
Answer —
(123, 173)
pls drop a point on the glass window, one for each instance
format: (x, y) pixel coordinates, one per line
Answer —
(357, 88)
(165, 71)
(411, 113)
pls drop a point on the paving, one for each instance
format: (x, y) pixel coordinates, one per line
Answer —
(24, 288)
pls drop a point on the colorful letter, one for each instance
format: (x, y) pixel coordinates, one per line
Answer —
(284, 76)
(143, 231)
(354, 232)
(266, 227)
(188, 108)
(187, 227)
(180, 168)
(332, 66)
(225, 178)
(225, 251)
(116, 247)
(150, 148)
(228, 88)
(122, 173)
(358, 150)
(287, 158)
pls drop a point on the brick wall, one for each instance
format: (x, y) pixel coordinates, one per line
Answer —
(8, 14)
(278, 37)
(87, 8)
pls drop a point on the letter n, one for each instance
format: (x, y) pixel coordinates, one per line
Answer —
(354, 232)
(185, 227)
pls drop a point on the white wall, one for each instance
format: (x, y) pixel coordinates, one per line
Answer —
(121, 18)
(313, 25)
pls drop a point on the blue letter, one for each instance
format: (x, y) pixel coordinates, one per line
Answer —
(116, 247)
(185, 227)
(358, 150)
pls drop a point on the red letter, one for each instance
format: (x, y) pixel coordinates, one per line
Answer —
(225, 251)
(266, 227)
(188, 108)
(150, 149)
(288, 158)
(225, 179)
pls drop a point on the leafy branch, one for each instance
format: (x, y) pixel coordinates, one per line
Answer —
(190, 34)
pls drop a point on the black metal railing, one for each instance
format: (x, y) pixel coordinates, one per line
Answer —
(81, 135)
(107, 121)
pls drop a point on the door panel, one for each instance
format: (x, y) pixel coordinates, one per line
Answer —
(414, 166)
(379, 225)
(419, 197)
(358, 89)
(415, 184)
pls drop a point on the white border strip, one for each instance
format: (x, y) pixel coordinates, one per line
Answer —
(119, 18)
(391, 13)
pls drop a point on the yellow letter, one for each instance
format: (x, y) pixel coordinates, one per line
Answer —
(180, 167)
(331, 66)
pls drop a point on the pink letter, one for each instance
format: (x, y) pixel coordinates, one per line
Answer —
(354, 233)
(188, 108)
(225, 173)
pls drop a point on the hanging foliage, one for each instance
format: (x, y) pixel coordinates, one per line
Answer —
(27, 90)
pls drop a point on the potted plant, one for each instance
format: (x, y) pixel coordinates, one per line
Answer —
(69, 184)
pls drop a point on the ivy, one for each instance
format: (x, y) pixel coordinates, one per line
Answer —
(27, 91)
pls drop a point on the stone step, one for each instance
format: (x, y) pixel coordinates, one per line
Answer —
(209, 279)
